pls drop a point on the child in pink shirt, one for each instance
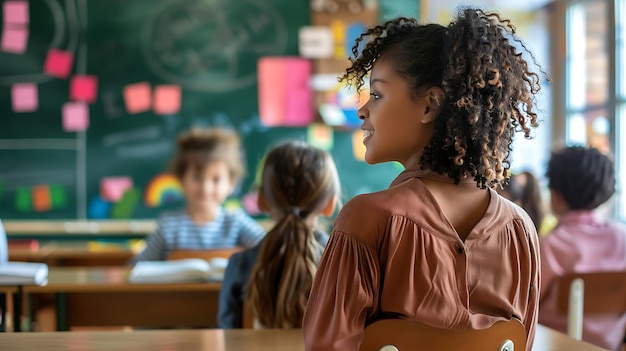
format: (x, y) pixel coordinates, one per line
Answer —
(580, 180)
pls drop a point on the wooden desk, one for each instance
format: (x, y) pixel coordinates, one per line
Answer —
(214, 340)
(103, 297)
(7, 296)
(74, 254)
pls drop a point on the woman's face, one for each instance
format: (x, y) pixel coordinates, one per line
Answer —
(395, 127)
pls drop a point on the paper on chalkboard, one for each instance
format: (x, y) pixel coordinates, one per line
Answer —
(125, 208)
(138, 97)
(15, 13)
(42, 200)
(84, 87)
(24, 97)
(75, 116)
(14, 40)
(58, 63)
(23, 200)
(167, 99)
(113, 188)
(315, 42)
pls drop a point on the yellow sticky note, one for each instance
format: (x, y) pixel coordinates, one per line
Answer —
(358, 148)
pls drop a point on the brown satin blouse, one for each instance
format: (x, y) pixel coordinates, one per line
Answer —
(394, 254)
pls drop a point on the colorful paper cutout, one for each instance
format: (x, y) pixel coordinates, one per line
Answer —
(315, 42)
(162, 189)
(84, 87)
(285, 98)
(24, 97)
(167, 99)
(23, 200)
(98, 208)
(358, 148)
(320, 136)
(58, 63)
(14, 40)
(113, 188)
(15, 12)
(138, 97)
(42, 200)
(125, 208)
(75, 116)
(58, 196)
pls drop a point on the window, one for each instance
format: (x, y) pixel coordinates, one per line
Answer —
(596, 82)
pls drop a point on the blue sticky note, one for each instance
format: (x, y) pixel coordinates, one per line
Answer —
(98, 208)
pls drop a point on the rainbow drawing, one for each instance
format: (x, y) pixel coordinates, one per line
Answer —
(162, 189)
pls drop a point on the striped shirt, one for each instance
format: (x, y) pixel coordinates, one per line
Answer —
(175, 230)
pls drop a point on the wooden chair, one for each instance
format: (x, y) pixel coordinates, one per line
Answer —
(590, 293)
(206, 255)
(405, 335)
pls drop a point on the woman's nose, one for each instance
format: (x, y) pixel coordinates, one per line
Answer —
(362, 112)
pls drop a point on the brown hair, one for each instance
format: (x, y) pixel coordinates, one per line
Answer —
(197, 148)
(488, 88)
(298, 181)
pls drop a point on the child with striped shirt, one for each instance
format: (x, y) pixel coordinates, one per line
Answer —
(208, 164)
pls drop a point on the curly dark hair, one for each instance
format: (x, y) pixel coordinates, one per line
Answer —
(583, 176)
(488, 88)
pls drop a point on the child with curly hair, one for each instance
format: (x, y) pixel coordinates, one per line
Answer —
(581, 179)
(439, 246)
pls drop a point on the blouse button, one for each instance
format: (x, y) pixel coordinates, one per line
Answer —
(460, 250)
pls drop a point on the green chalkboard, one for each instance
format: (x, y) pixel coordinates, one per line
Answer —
(209, 48)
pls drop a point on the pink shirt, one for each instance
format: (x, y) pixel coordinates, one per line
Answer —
(582, 243)
(394, 254)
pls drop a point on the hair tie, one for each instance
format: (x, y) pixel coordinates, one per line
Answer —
(294, 210)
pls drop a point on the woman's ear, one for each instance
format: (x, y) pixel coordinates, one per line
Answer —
(435, 100)
(329, 208)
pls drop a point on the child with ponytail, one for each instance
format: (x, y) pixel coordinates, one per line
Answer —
(299, 183)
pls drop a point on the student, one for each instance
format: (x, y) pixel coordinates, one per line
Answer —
(523, 189)
(580, 180)
(208, 164)
(439, 246)
(299, 184)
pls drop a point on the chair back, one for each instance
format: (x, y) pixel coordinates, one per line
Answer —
(206, 255)
(590, 293)
(406, 335)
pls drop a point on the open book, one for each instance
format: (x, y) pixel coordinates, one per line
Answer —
(23, 273)
(178, 271)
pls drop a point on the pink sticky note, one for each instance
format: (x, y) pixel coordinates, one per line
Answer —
(14, 40)
(138, 97)
(15, 12)
(285, 97)
(167, 99)
(84, 88)
(299, 102)
(113, 188)
(75, 116)
(58, 63)
(272, 90)
(24, 97)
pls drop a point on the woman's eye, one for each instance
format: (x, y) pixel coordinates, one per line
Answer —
(375, 96)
